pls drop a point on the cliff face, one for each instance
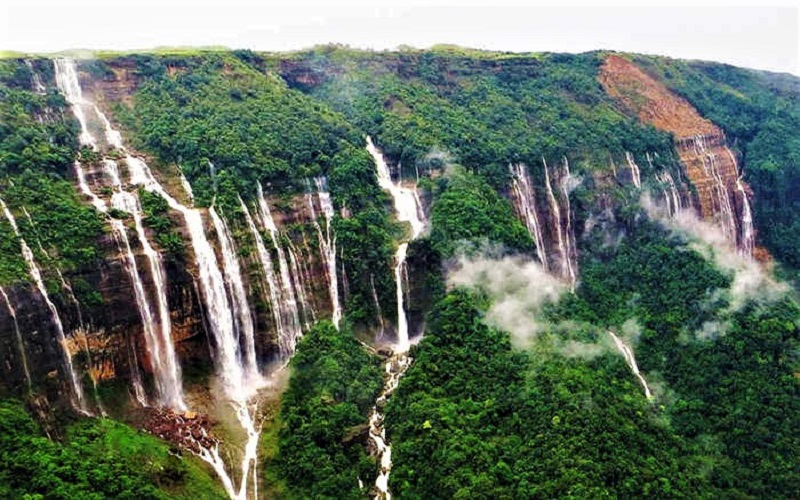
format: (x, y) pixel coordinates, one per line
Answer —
(105, 335)
(709, 164)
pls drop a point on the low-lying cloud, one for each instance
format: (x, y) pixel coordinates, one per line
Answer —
(518, 287)
(750, 280)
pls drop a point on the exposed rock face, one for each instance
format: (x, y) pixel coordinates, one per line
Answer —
(708, 162)
(106, 337)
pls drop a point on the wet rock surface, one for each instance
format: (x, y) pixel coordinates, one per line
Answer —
(189, 430)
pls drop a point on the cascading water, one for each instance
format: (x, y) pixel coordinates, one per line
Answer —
(327, 244)
(231, 366)
(627, 353)
(525, 204)
(158, 337)
(67, 81)
(720, 190)
(20, 343)
(241, 310)
(635, 173)
(748, 234)
(36, 80)
(237, 387)
(156, 326)
(676, 197)
(570, 236)
(407, 209)
(274, 290)
(555, 211)
(288, 300)
(36, 276)
(305, 308)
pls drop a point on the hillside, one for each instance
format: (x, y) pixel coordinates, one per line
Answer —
(439, 273)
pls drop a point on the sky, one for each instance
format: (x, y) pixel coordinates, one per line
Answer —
(731, 31)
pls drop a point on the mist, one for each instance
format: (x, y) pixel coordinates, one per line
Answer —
(750, 280)
(519, 287)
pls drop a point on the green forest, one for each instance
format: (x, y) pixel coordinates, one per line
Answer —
(478, 414)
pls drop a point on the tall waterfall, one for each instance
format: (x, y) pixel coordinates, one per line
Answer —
(563, 242)
(237, 386)
(244, 319)
(288, 299)
(627, 353)
(407, 209)
(748, 234)
(20, 343)
(570, 236)
(234, 369)
(285, 338)
(671, 197)
(156, 323)
(327, 244)
(67, 81)
(720, 190)
(525, 204)
(36, 276)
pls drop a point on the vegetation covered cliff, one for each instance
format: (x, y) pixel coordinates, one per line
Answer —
(582, 248)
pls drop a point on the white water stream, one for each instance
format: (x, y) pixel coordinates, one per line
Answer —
(525, 203)
(407, 209)
(36, 275)
(235, 370)
(627, 353)
(20, 343)
(155, 319)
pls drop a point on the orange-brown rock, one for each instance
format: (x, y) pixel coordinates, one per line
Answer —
(710, 165)
(651, 101)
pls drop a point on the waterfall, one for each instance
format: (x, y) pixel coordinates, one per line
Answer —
(212, 282)
(237, 387)
(747, 237)
(158, 336)
(407, 209)
(676, 197)
(20, 343)
(570, 236)
(300, 284)
(241, 310)
(555, 212)
(327, 244)
(156, 323)
(234, 370)
(36, 275)
(288, 301)
(635, 173)
(627, 353)
(284, 342)
(748, 234)
(525, 204)
(720, 190)
(67, 81)
(36, 80)
(187, 187)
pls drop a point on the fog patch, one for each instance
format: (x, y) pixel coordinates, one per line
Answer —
(518, 287)
(750, 281)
